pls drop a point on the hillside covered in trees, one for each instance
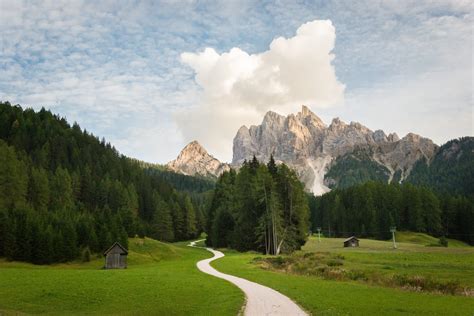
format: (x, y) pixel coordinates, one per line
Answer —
(260, 207)
(370, 209)
(451, 169)
(63, 191)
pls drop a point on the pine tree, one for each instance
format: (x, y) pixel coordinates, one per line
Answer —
(38, 189)
(190, 218)
(61, 191)
(177, 213)
(162, 221)
(272, 167)
(13, 179)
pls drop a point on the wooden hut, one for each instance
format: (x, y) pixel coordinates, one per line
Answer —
(116, 257)
(351, 242)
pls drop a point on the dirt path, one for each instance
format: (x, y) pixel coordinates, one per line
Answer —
(261, 300)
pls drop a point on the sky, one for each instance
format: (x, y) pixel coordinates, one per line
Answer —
(151, 76)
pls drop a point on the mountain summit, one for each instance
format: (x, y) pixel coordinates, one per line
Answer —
(324, 156)
(195, 160)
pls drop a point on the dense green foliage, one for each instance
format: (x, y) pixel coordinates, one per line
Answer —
(181, 182)
(372, 208)
(63, 190)
(262, 207)
(451, 169)
(355, 168)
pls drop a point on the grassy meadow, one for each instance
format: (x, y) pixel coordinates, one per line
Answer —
(161, 279)
(322, 296)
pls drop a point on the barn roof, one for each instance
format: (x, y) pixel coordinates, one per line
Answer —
(116, 244)
(352, 237)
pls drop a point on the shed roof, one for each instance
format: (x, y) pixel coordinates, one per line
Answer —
(125, 251)
(352, 237)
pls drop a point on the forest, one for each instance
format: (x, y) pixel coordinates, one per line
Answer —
(370, 209)
(451, 169)
(260, 207)
(65, 194)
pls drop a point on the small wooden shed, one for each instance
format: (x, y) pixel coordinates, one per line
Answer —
(116, 257)
(351, 242)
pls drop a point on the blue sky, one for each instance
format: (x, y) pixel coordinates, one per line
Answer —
(117, 67)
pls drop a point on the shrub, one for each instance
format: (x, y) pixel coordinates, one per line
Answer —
(443, 241)
(86, 254)
(334, 262)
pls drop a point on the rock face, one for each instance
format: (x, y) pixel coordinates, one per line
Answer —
(195, 160)
(306, 144)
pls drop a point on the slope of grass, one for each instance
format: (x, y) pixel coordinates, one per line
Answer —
(330, 297)
(424, 239)
(161, 279)
(415, 238)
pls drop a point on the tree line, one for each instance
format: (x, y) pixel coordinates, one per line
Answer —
(63, 191)
(260, 207)
(370, 209)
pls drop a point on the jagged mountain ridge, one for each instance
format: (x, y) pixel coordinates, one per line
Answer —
(305, 143)
(323, 156)
(195, 160)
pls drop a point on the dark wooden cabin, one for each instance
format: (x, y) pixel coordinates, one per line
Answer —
(116, 257)
(351, 242)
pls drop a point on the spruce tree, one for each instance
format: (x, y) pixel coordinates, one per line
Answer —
(38, 189)
(190, 219)
(162, 221)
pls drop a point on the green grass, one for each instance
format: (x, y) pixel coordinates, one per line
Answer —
(441, 263)
(161, 279)
(424, 239)
(330, 297)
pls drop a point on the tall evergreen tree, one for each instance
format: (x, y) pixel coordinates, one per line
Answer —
(38, 189)
(162, 221)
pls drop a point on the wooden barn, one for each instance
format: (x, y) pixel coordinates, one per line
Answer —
(351, 242)
(116, 257)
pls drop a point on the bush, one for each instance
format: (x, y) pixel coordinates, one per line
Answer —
(86, 254)
(443, 241)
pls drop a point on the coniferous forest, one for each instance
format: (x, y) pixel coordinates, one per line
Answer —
(370, 209)
(260, 207)
(65, 193)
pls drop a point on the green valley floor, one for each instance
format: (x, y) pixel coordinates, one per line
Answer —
(330, 297)
(162, 279)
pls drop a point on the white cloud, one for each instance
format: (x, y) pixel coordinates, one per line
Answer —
(238, 87)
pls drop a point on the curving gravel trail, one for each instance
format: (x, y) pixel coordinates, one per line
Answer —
(261, 300)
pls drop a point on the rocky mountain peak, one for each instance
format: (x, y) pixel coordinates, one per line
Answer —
(194, 148)
(393, 137)
(379, 136)
(310, 147)
(195, 160)
(412, 137)
(337, 122)
(272, 116)
(309, 117)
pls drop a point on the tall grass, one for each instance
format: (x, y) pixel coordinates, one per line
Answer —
(330, 266)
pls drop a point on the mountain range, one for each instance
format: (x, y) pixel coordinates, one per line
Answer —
(324, 156)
